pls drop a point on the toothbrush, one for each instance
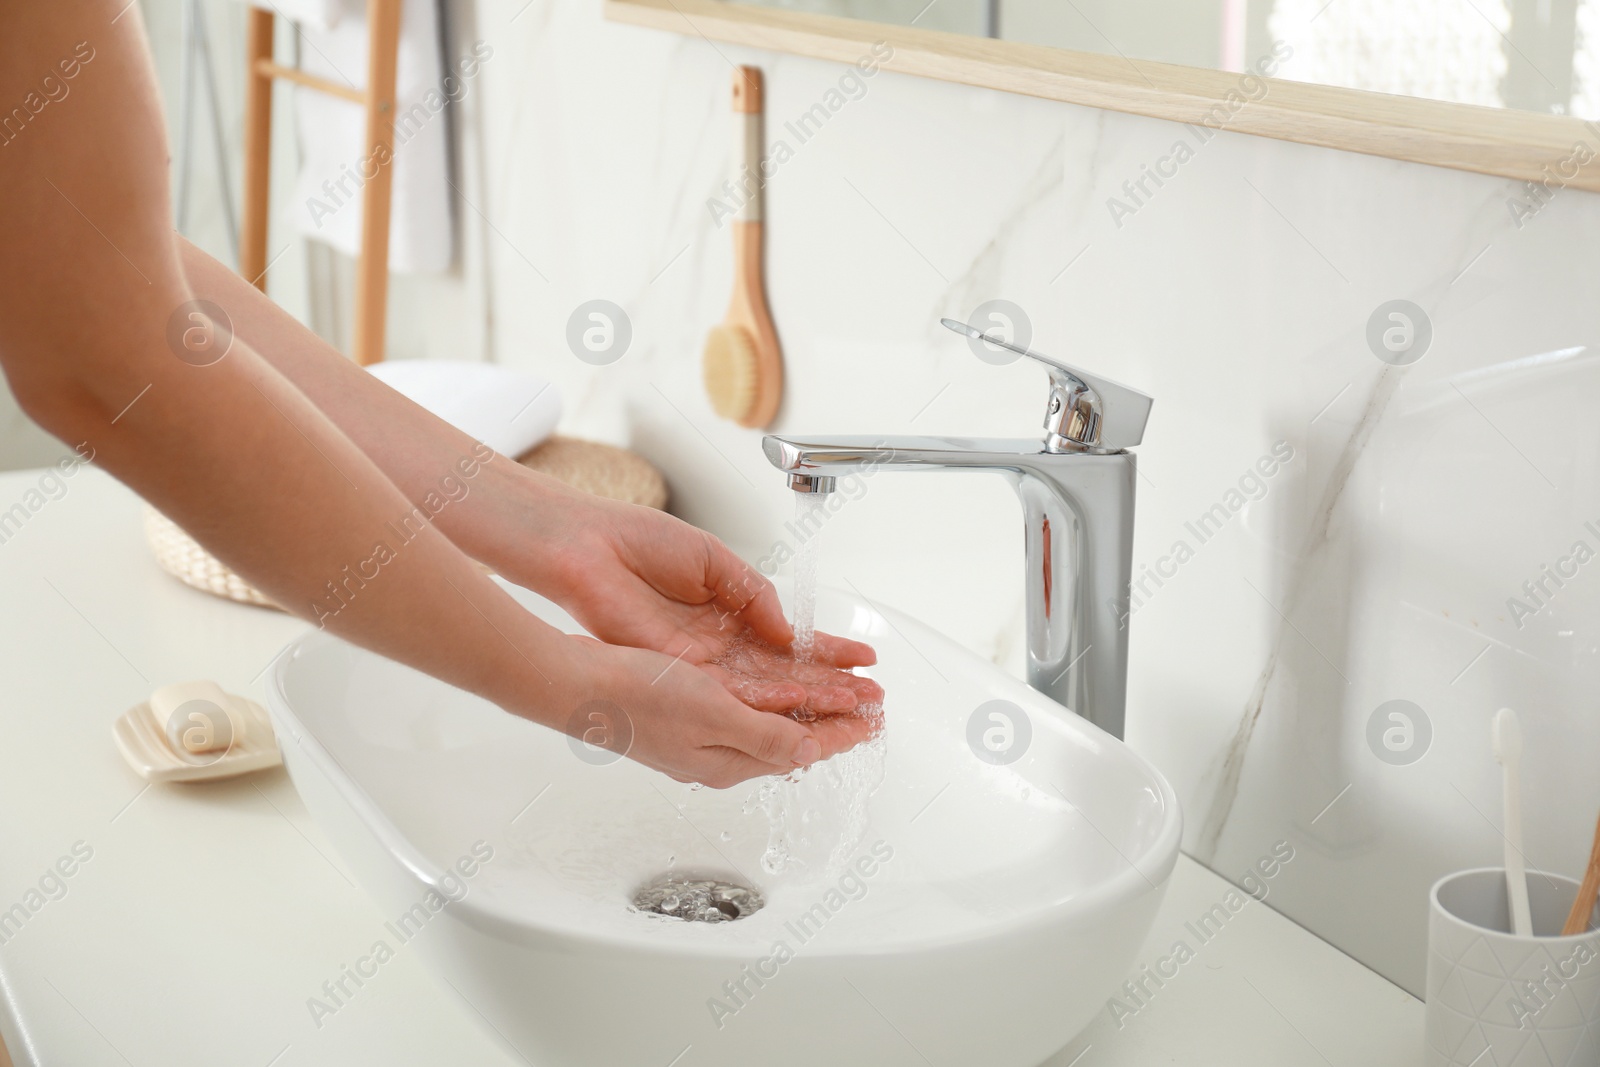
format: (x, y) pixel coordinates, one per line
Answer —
(1508, 750)
(1583, 907)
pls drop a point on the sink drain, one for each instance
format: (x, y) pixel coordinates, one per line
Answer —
(698, 900)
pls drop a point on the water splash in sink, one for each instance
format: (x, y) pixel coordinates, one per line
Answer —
(817, 818)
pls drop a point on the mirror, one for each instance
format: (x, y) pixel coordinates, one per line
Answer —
(1531, 55)
(1503, 87)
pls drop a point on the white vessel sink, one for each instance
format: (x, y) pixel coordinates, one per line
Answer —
(996, 909)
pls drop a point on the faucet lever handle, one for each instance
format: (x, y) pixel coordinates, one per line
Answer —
(1086, 410)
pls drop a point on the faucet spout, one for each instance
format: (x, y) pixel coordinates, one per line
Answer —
(1077, 509)
(830, 457)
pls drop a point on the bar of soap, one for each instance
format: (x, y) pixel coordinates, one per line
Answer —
(198, 717)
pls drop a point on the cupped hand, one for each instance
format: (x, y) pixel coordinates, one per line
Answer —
(772, 679)
(639, 577)
(681, 720)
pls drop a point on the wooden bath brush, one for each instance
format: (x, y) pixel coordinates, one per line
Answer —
(742, 363)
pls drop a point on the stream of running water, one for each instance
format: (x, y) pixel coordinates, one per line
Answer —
(817, 818)
(808, 519)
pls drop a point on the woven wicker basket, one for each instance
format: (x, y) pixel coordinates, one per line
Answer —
(603, 470)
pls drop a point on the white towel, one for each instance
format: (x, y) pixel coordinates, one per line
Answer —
(510, 411)
(328, 194)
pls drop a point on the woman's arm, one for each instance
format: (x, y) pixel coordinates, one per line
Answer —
(415, 448)
(92, 289)
(631, 575)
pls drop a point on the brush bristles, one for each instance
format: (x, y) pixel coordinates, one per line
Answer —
(729, 366)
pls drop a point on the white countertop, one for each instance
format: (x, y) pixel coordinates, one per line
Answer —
(207, 915)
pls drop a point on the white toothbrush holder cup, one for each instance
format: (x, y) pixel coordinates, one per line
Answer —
(1499, 1000)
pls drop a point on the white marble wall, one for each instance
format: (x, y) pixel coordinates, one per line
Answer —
(1377, 564)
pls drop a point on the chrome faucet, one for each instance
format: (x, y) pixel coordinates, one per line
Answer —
(1077, 491)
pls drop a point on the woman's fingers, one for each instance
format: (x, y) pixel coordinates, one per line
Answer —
(830, 699)
(779, 741)
(757, 657)
(840, 733)
(715, 725)
(864, 690)
(760, 693)
(842, 652)
(745, 593)
(827, 690)
(761, 745)
(731, 766)
(776, 740)
(776, 694)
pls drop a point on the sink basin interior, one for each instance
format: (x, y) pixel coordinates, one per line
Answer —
(972, 848)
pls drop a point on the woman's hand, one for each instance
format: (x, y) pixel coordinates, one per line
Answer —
(635, 576)
(772, 679)
(631, 575)
(679, 719)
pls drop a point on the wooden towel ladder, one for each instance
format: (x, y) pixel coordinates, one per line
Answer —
(372, 265)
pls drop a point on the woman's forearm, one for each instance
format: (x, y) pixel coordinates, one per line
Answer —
(424, 456)
(260, 477)
(93, 304)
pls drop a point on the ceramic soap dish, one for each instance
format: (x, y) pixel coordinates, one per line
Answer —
(195, 732)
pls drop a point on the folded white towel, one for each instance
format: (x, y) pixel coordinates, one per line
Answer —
(510, 411)
(334, 167)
